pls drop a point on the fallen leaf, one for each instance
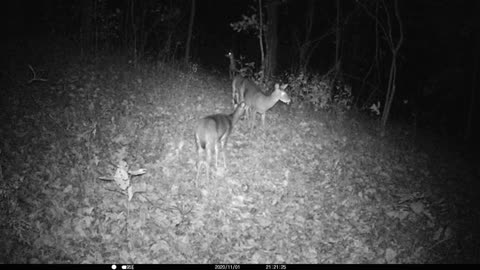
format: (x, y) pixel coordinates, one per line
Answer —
(417, 207)
(437, 234)
(263, 221)
(390, 255)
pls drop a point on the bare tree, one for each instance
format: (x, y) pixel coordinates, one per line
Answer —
(375, 62)
(337, 37)
(271, 38)
(267, 36)
(386, 29)
(190, 29)
(306, 44)
(394, 48)
(473, 98)
(134, 32)
(260, 37)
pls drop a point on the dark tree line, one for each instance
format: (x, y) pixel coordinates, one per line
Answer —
(390, 51)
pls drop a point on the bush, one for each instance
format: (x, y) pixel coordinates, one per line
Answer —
(316, 90)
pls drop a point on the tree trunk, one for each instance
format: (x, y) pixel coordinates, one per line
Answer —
(134, 33)
(142, 31)
(471, 107)
(337, 37)
(307, 43)
(337, 50)
(190, 29)
(86, 28)
(390, 91)
(271, 39)
(393, 68)
(260, 39)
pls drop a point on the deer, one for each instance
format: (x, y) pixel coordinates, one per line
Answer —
(257, 102)
(211, 134)
(233, 65)
(237, 97)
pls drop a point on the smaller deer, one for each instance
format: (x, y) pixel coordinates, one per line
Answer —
(257, 102)
(237, 96)
(212, 133)
(233, 65)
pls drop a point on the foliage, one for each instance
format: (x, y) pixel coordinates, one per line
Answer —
(251, 23)
(247, 23)
(316, 91)
(246, 69)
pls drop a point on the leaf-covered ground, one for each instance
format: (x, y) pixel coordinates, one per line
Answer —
(306, 188)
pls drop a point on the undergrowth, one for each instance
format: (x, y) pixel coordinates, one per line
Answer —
(310, 187)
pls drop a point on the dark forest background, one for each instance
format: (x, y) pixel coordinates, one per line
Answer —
(374, 160)
(437, 62)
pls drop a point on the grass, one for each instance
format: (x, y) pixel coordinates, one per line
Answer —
(307, 188)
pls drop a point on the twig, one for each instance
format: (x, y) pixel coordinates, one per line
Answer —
(35, 76)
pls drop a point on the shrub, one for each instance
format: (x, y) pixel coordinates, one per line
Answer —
(317, 91)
